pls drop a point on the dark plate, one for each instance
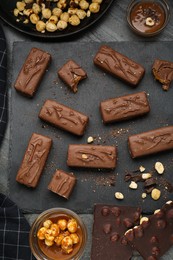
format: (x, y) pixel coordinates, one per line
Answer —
(6, 13)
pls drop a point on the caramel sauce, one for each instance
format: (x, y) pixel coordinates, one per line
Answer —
(144, 10)
(54, 252)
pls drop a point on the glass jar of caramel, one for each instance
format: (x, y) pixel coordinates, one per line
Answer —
(58, 234)
(148, 17)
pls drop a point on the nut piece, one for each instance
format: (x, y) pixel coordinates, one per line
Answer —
(119, 196)
(159, 167)
(84, 156)
(149, 21)
(143, 219)
(146, 176)
(155, 194)
(133, 185)
(141, 168)
(144, 195)
(90, 139)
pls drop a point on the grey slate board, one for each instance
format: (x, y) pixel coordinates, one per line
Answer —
(93, 186)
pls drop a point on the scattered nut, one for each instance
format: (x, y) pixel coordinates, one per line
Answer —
(146, 176)
(141, 168)
(159, 167)
(155, 194)
(144, 195)
(90, 140)
(133, 185)
(119, 196)
(149, 21)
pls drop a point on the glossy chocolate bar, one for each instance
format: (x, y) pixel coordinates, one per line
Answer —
(62, 183)
(32, 72)
(151, 142)
(92, 156)
(34, 160)
(71, 73)
(119, 65)
(110, 224)
(64, 117)
(155, 234)
(124, 107)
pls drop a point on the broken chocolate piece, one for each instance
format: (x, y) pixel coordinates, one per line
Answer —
(34, 160)
(124, 107)
(110, 224)
(163, 72)
(92, 156)
(151, 142)
(156, 237)
(71, 73)
(32, 72)
(64, 117)
(119, 65)
(62, 183)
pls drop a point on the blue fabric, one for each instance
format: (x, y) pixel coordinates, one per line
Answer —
(3, 88)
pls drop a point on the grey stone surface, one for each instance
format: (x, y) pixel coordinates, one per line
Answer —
(112, 27)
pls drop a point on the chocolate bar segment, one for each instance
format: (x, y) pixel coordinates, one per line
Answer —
(92, 156)
(110, 224)
(71, 73)
(62, 183)
(64, 117)
(32, 72)
(34, 160)
(163, 72)
(125, 107)
(155, 235)
(151, 142)
(119, 65)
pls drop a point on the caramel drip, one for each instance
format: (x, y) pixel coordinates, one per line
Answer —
(118, 63)
(154, 141)
(127, 106)
(92, 156)
(60, 114)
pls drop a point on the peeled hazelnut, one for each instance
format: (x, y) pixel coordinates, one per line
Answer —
(48, 242)
(55, 229)
(119, 196)
(149, 21)
(143, 219)
(62, 223)
(159, 167)
(155, 194)
(59, 239)
(146, 176)
(72, 225)
(133, 185)
(47, 223)
(41, 233)
(66, 244)
(75, 238)
(84, 156)
(144, 195)
(90, 139)
(141, 168)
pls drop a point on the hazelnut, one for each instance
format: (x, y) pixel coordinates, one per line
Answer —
(155, 194)
(72, 225)
(62, 223)
(133, 185)
(119, 196)
(159, 167)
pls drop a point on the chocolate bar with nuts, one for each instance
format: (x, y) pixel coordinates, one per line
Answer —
(110, 224)
(64, 117)
(163, 72)
(154, 236)
(151, 142)
(119, 65)
(124, 107)
(92, 156)
(32, 72)
(71, 73)
(62, 183)
(34, 160)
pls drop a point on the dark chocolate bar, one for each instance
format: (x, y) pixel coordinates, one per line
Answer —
(119, 65)
(71, 73)
(151, 142)
(110, 224)
(163, 72)
(124, 107)
(92, 156)
(32, 72)
(154, 236)
(34, 160)
(62, 183)
(64, 117)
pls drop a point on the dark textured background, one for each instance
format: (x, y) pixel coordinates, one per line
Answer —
(93, 186)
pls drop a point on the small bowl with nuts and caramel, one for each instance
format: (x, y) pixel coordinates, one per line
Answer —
(148, 17)
(58, 233)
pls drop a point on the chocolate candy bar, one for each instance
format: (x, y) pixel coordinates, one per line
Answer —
(110, 224)
(92, 156)
(32, 72)
(64, 117)
(62, 183)
(163, 72)
(124, 108)
(34, 160)
(154, 236)
(151, 142)
(119, 65)
(71, 73)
